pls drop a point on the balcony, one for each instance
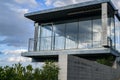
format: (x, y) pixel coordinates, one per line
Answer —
(87, 50)
(36, 45)
(77, 37)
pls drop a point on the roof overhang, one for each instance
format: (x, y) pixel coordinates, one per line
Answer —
(84, 9)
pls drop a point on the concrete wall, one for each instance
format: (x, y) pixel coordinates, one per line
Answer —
(81, 69)
(63, 64)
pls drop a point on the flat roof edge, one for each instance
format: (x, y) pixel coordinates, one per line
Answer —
(83, 4)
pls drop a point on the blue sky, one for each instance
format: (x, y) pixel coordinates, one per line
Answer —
(15, 29)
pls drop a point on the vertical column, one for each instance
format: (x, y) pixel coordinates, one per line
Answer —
(104, 24)
(63, 64)
(36, 35)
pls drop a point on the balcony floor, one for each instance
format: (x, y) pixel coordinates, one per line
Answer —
(53, 55)
(69, 51)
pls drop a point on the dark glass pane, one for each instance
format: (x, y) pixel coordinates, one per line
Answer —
(71, 35)
(38, 41)
(85, 34)
(59, 32)
(46, 31)
(109, 27)
(59, 29)
(113, 32)
(97, 32)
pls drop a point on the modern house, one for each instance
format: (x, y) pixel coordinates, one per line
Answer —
(89, 30)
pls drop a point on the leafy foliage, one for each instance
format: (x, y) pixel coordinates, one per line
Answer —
(106, 61)
(17, 72)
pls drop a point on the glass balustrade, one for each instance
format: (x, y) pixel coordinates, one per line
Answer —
(75, 34)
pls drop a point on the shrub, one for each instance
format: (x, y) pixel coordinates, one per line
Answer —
(49, 71)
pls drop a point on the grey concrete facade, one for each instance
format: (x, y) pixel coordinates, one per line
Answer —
(104, 23)
(63, 64)
(74, 68)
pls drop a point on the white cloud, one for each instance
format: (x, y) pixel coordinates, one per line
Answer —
(14, 56)
(59, 3)
(14, 51)
(17, 29)
(17, 10)
(48, 2)
(21, 11)
(31, 3)
(18, 58)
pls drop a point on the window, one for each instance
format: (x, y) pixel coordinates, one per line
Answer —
(97, 32)
(71, 35)
(59, 36)
(85, 34)
(112, 32)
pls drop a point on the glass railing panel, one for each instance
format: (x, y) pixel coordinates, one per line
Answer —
(59, 43)
(46, 43)
(31, 45)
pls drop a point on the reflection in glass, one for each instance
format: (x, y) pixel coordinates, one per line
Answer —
(46, 37)
(112, 32)
(59, 42)
(59, 32)
(85, 34)
(117, 34)
(38, 41)
(97, 32)
(71, 35)
(46, 31)
(109, 27)
(59, 29)
(46, 43)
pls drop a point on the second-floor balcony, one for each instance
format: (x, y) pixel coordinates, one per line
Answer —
(60, 45)
(74, 34)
